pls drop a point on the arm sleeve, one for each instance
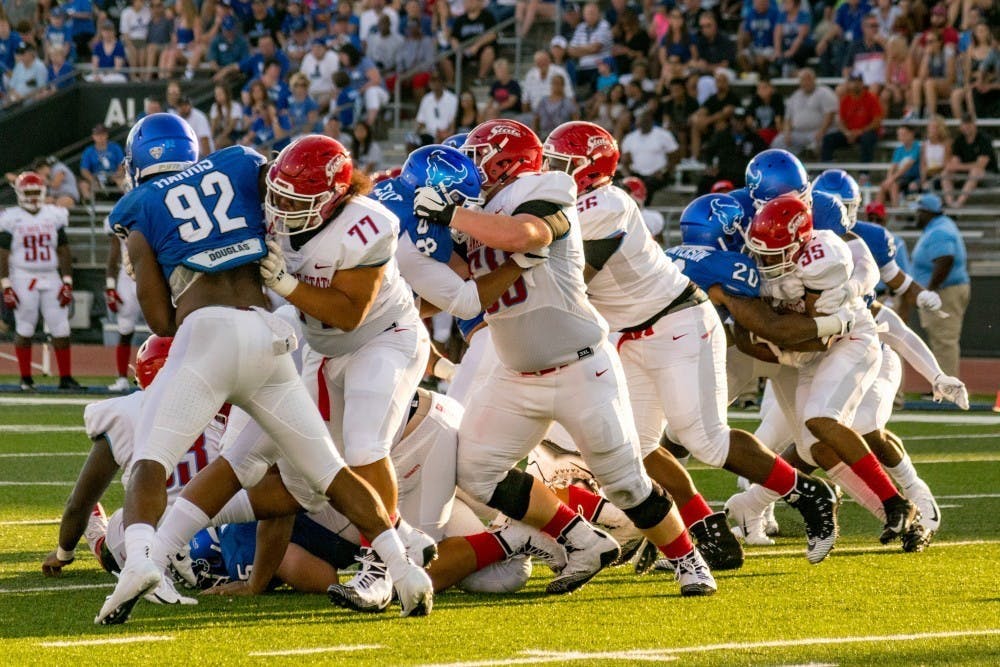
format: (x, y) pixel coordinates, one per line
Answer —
(866, 272)
(61, 238)
(908, 344)
(889, 270)
(596, 253)
(6, 240)
(435, 282)
(550, 213)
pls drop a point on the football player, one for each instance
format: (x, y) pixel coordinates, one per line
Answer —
(122, 302)
(556, 364)
(653, 219)
(195, 239)
(36, 275)
(673, 349)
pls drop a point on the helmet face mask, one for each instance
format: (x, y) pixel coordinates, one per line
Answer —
(30, 189)
(777, 235)
(840, 184)
(305, 184)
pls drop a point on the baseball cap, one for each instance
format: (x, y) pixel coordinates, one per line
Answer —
(876, 208)
(298, 24)
(22, 48)
(855, 77)
(319, 42)
(99, 129)
(739, 112)
(927, 202)
(939, 9)
(229, 23)
(559, 41)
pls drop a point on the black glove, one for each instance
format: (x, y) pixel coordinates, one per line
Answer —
(431, 205)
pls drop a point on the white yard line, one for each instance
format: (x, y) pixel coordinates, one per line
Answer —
(40, 428)
(956, 436)
(318, 649)
(785, 551)
(55, 589)
(108, 640)
(25, 400)
(536, 656)
(19, 483)
(968, 418)
(38, 455)
(31, 522)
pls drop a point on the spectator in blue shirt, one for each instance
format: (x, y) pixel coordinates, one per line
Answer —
(756, 37)
(228, 47)
(904, 172)
(253, 66)
(939, 264)
(82, 13)
(302, 109)
(9, 41)
(270, 128)
(108, 59)
(276, 87)
(60, 72)
(845, 29)
(346, 99)
(366, 79)
(413, 12)
(793, 43)
(101, 168)
(58, 34)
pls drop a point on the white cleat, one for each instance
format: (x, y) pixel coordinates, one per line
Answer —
(120, 385)
(135, 581)
(930, 514)
(165, 593)
(415, 591)
(692, 573)
(588, 551)
(748, 525)
(771, 527)
(370, 590)
(181, 563)
(420, 547)
(519, 539)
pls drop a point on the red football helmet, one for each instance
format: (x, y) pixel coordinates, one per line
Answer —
(722, 187)
(305, 183)
(585, 151)
(503, 149)
(150, 358)
(778, 232)
(386, 174)
(30, 189)
(636, 188)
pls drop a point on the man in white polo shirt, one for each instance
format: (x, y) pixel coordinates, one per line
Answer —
(438, 108)
(645, 152)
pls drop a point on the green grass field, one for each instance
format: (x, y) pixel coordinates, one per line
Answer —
(866, 604)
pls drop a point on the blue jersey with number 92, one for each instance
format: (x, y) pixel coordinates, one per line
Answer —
(734, 272)
(208, 217)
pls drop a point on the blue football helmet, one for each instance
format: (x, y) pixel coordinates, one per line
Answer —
(157, 144)
(206, 558)
(742, 195)
(776, 172)
(715, 221)
(842, 185)
(829, 213)
(455, 140)
(448, 170)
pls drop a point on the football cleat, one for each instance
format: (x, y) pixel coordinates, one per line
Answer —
(370, 590)
(415, 592)
(182, 564)
(27, 383)
(518, 539)
(135, 581)
(588, 551)
(771, 527)
(818, 503)
(930, 514)
(693, 574)
(67, 383)
(647, 558)
(420, 547)
(96, 530)
(716, 542)
(629, 549)
(120, 385)
(165, 593)
(749, 525)
(900, 515)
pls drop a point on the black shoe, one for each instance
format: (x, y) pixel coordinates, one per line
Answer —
(818, 503)
(647, 558)
(67, 383)
(27, 383)
(716, 542)
(916, 539)
(629, 549)
(900, 515)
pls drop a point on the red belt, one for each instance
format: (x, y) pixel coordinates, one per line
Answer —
(581, 354)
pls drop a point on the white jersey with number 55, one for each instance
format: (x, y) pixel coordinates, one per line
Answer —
(544, 319)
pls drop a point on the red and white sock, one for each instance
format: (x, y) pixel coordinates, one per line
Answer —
(781, 479)
(694, 510)
(564, 515)
(123, 353)
(587, 503)
(487, 547)
(872, 474)
(680, 547)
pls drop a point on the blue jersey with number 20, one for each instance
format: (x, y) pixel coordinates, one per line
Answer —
(207, 217)
(734, 272)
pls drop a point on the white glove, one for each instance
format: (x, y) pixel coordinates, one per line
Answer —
(431, 205)
(832, 299)
(837, 324)
(951, 389)
(928, 300)
(272, 270)
(528, 260)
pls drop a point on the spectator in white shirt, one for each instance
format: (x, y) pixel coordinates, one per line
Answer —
(368, 22)
(438, 108)
(591, 44)
(198, 121)
(319, 65)
(133, 30)
(29, 74)
(226, 116)
(645, 152)
(809, 113)
(538, 81)
(383, 46)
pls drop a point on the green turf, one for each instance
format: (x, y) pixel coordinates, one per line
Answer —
(863, 590)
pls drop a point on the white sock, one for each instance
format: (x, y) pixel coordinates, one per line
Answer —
(138, 541)
(760, 497)
(179, 525)
(904, 474)
(390, 549)
(857, 489)
(237, 510)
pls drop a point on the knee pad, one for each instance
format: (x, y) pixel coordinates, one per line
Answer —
(513, 494)
(652, 510)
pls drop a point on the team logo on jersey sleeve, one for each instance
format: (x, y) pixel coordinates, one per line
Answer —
(444, 173)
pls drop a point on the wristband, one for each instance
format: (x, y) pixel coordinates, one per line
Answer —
(828, 325)
(5, 283)
(67, 280)
(64, 555)
(110, 283)
(444, 369)
(905, 286)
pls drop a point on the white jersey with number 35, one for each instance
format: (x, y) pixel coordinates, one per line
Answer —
(34, 237)
(826, 262)
(544, 319)
(638, 280)
(364, 234)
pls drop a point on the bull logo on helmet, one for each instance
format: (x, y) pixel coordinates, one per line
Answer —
(729, 215)
(444, 173)
(754, 179)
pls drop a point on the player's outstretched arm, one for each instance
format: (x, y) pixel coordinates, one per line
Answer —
(151, 287)
(782, 329)
(513, 233)
(93, 481)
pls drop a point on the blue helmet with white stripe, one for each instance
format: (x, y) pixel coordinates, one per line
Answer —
(159, 143)
(775, 172)
(455, 140)
(842, 185)
(829, 213)
(715, 221)
(448, 170)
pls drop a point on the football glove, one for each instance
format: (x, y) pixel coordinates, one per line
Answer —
(111, 297)
(272, 270)
(9, 295)
(831, 300)
(65, 295)
(951, 389)
(928, 300)
(528, 260)
(431, 205)
(836, 324)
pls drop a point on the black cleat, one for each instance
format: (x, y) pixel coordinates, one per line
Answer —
(900, 515)
(67, 383)
(629, 549)
(818, 503)
(27, 383)
(716, 542)
(916, 539)
(647, 558)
